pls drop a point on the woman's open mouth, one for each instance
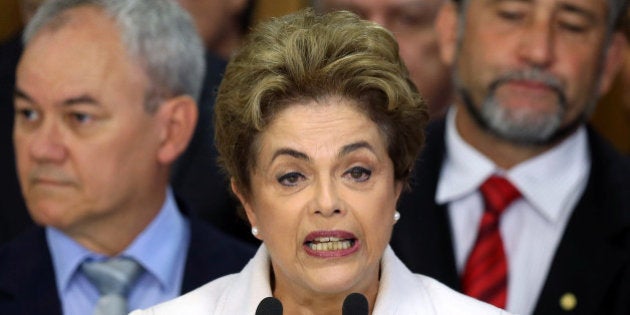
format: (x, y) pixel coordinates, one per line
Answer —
(331, 243)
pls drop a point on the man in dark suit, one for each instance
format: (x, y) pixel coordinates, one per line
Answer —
(527, 74)
(195, 176)
(105, 103)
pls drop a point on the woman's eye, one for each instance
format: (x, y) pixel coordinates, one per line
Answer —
(359, 174)
(290, 179)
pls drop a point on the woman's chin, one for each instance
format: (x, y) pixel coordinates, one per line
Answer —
(335, 279)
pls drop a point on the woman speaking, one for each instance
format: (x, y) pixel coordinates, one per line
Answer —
(317, 125)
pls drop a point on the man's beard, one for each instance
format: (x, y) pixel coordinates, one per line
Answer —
(522, 126)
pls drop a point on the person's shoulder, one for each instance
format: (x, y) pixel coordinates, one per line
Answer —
(609, 178)
(605, 157)
(448, 301)
(27, 245)
(25, 263)
(203, 300)
(204, 235)
(212, 254)
(231, 249)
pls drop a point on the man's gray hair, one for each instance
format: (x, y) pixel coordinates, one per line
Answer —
(158, 34)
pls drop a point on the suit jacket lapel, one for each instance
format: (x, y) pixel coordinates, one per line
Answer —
(593, 253)
(424, 228)
(27, 280)
(212, 254)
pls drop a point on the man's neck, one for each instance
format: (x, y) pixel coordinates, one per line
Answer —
(112, 233)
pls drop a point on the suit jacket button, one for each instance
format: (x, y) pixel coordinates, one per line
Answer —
(568, 301)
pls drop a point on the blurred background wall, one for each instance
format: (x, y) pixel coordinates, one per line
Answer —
(268, 8)
(612, 115)
(9, 18)
(10, 21)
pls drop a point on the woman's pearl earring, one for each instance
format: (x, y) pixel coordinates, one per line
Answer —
(254, 231)
(396, 216)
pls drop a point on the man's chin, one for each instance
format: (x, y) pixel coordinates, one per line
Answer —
(529, 107)
(49, 212)
(521, 125)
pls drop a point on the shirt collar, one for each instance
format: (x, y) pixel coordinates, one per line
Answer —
(549, 182)
(66, 255)
(165, 239)
(154, 249)
(464, 167)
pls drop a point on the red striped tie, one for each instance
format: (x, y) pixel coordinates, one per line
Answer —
(485, 276)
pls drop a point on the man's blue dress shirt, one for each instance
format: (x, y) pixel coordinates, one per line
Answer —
(160, 249)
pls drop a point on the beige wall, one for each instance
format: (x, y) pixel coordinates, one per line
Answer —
(612, 115)
(268, 8)
(9, 18)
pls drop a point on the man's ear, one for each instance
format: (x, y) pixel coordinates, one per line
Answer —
(178, 118)
(613, 59)
(247, 206)
(446, 26)
(236, 7)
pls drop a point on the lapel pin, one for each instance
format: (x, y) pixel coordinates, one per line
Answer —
(568, 301)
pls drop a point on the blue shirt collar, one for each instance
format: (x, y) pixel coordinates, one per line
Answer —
(66, 255)
(157, 248)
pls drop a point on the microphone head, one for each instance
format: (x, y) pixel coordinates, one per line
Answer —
(355, 304)
(269, 306)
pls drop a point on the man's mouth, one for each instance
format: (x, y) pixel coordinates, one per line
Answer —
(530, 84)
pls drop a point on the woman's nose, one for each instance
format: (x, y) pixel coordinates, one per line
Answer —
(327, 198)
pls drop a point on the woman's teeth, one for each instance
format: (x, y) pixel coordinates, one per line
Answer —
(330, 243)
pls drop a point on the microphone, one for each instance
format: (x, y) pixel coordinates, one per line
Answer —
(355, 304)
(269, 306)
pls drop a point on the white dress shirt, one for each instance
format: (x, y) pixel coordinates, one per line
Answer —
(400, 292)
(532, 226)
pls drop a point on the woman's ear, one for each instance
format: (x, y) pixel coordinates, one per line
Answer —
(178, 117)
(237, 7)
(247, 206)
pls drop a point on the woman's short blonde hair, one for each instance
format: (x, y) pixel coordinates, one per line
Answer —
(305, 56)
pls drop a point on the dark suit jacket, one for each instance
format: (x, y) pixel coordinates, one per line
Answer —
(27, 280)
(196, 176)
(13, 215)
(592, 260)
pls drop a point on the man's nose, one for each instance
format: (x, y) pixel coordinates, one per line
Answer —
(46, 143)
(536, 45)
